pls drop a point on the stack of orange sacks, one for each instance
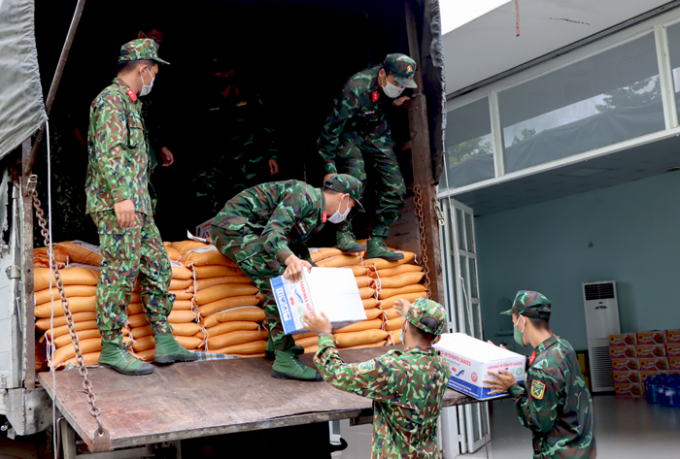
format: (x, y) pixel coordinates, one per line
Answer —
(80, 280)
(226, 299)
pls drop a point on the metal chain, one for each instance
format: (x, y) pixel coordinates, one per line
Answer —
(87, 384)
(418, 205)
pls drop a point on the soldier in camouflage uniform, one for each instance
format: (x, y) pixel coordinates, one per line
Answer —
(554, 402)
(264, 230)
(119, 203)
(357, 128)
(407, 387)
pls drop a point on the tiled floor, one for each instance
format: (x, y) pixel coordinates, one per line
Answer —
(624, 428)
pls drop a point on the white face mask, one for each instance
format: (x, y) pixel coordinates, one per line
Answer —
(338, 217)
(146, 89)
(392, 91)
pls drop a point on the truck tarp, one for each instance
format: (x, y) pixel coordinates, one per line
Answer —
(22, 111)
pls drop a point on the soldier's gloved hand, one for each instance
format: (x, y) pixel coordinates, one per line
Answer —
(502, 382)
(125, 213)
(402, 306)
(294, 267)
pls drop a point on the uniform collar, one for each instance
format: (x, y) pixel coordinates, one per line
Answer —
(546, 344)
(127, 90)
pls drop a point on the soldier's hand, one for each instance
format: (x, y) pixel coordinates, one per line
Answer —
(316, 323)
(402, 306)
(273, 167)
(502, 346)
(167, 156)
(504, 379)
(294, 267)
(125, 213)
(399, 102)
(327, 176)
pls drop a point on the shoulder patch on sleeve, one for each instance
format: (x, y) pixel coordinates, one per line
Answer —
(537, 389)
(365, 367)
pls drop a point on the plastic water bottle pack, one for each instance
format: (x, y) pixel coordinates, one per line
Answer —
(663, 390)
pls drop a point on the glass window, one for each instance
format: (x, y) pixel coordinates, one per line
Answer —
(599, 101)
(674, 51)
(469, 147)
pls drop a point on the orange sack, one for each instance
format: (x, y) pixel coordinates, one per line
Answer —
(220, 291)
(210, 281)
(229, 303)
(312, 349)
(366, 293)
(181, 272)
(179, 284)
(394, 324)
(363, 281)
(370, 303)
(373, 313)
(89, 359)
(67, 352)
(215, 271)
(389, 272)
(254, 347)
(340, 261)
(181, 295)
(43, 296)
(389, 302)
(206, 256)
(173, 254)
(79, 320)
(360, 326)
(144, 343)
(189, 342)
(379, 263)
(363, 346)
(251, 314)
(324, 253)
(141, 332)
(360, 337)
(186, 329)
(399, 280)
(235, 337)
(391, 313)
(306, 342)
(358, 271)
(185, 246)
(390, 292)
(69, 276)
(227, 327)
(63, 340)
(82, 252)
(76, 304)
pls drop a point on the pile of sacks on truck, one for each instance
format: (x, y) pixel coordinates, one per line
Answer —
(217, 308)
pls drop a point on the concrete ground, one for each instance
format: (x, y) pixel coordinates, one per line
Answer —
(624, 428)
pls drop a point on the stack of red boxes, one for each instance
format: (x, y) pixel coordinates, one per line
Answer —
(636, 356)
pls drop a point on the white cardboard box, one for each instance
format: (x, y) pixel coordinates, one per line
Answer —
(471, 359)
(333, 291)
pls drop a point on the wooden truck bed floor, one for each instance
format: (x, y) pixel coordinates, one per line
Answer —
(197, 399)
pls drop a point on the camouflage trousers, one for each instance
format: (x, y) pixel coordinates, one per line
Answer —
(244, 247)
(389, 184)
(129, 254)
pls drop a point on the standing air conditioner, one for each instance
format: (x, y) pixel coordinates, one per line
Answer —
(602, 320)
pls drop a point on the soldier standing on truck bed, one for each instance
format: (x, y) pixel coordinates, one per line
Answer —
(406, 386)
(554, 402)
(264, 230)
(118, 201)
(356, 129)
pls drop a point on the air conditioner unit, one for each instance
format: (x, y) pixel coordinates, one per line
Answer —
(602, 319)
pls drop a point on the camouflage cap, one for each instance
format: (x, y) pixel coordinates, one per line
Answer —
(402, 67)
(343, 183)
(530, 304)
(427, 315)
(142, 48)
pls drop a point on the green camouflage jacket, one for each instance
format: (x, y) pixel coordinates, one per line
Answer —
(361, 109)
(277, 217)
(407, 388)
(118, 160)
(555, 403)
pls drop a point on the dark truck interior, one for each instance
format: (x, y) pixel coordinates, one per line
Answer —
(294, 54)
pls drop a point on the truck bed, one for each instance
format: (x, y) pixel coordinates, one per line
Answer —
(198, 399)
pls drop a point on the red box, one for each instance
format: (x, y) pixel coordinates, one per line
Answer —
(624, 339)
(628, 389)
(622, 352)
(627, 377)
(674, 363)
(650, 350)
(672, 336)
(673, 350)
(651, 338)
(654, 364)
(625, 365)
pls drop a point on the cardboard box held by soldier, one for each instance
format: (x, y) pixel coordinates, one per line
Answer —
(332, 291)
(471, 359)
